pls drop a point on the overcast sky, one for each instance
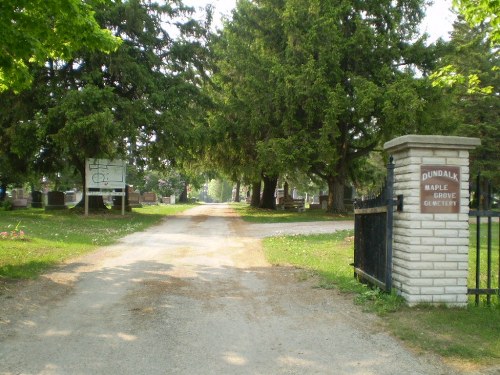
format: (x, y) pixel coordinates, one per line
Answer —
(438, 22)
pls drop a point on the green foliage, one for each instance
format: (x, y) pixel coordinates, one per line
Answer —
(315, 85)
(35, 31)
(7, 205)
(480, 15)
(220, 190)
(164, 183)
(140, 101)
(475, 108)
(485, 12)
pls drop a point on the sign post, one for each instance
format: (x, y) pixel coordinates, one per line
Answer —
(104, 174)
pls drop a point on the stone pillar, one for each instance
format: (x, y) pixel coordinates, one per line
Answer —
(431, 235)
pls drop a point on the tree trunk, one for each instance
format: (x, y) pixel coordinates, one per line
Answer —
(268, 195)
(255, 201)
(237, 194)
(336, 195)
(183, 198)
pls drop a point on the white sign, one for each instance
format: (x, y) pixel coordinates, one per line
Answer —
(105, 174)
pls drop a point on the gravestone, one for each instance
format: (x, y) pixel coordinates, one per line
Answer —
(70, 197)
(323, 201)
(55, 201)
(36, 199)
(117, 201)
(134, 199)
(149, 198)
(19, 199)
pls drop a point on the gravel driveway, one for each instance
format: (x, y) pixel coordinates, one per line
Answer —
(193, 295)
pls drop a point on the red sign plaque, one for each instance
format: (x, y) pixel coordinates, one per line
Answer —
(439, 189)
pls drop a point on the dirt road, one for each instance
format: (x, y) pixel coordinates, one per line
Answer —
(193, 295)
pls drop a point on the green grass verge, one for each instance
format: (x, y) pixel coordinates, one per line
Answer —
(54, 236)
(484, 258)
(470, 334)
(258, 215)
(467, 335)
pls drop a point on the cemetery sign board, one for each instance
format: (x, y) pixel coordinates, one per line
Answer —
(105, 174)
(439, 189)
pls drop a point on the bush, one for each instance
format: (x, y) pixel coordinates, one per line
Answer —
(7, 205)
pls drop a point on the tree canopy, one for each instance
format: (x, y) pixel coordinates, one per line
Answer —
(485, 13)
(35, 31)
(476, 113)
(139, 102)
(315, 85)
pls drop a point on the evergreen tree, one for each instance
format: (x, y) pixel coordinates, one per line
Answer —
(476, 112)
(316, 85)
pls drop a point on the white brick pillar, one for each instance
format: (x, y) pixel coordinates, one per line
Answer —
(431, 234)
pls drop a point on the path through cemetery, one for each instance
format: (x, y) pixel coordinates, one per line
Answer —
(193, 295)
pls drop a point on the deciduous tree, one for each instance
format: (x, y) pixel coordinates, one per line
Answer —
(36, 31)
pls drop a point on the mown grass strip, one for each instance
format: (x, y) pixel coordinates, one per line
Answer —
(54, 236)
(263, 216)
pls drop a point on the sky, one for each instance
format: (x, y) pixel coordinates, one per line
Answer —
(438, 22)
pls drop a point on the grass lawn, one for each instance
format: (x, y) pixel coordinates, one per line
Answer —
(484, 257)
(54, 236)
(254, 215)
(470, 335)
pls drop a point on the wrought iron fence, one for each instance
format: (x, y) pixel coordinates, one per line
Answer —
(481, 209)
(373, 227)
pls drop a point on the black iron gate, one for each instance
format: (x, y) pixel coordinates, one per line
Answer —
(373, 220)
(481, 209)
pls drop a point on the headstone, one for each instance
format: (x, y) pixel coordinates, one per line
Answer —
(323, 201)
(117, 201)
(19, 199)
(134, 199)
(149, 198)
(70, 197)
(55, 201)
(165, 200)
(315, 205)
(36, 199)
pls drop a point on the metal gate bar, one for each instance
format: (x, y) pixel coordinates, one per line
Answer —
(483, 210)
(373, 232)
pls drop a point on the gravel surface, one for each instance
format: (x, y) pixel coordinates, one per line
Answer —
(193, 295)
